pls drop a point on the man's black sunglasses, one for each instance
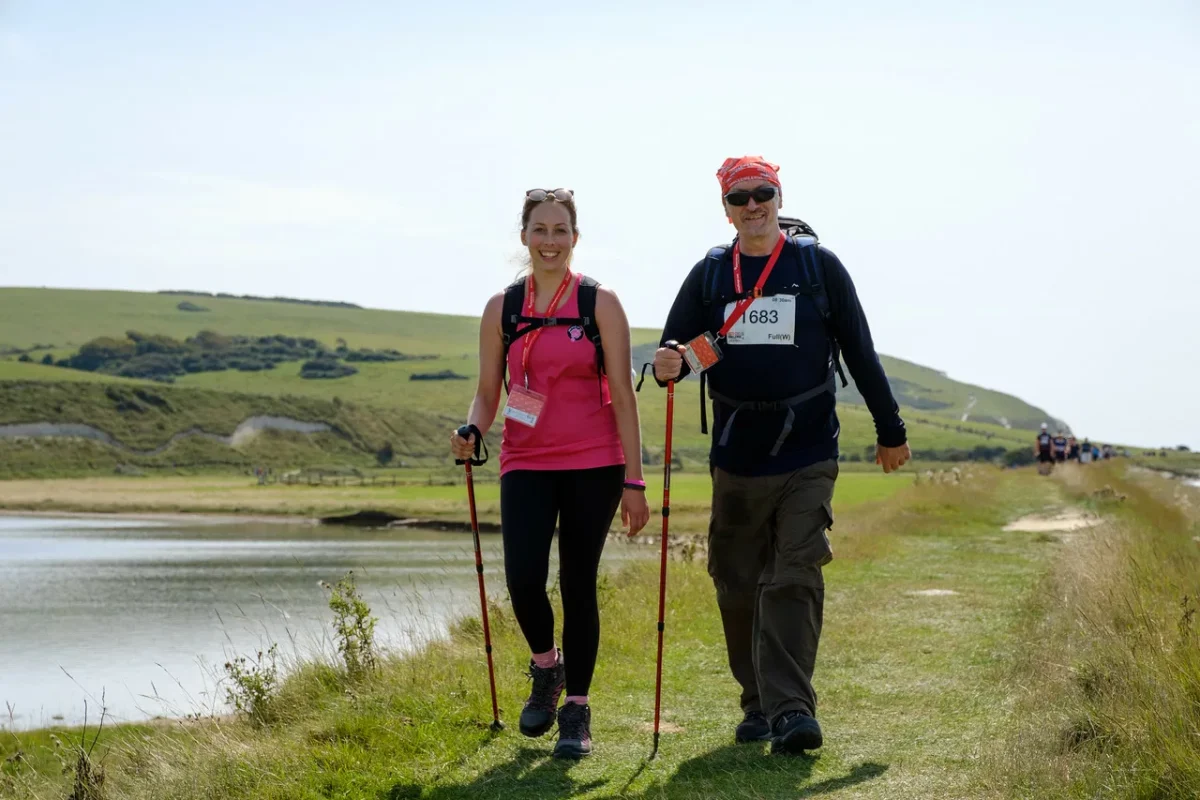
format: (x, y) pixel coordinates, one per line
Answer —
(741, 197)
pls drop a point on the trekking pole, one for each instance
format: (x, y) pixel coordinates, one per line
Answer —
(464, 432)
(662, 567)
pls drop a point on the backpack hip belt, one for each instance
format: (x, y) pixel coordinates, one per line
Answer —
(789, 403)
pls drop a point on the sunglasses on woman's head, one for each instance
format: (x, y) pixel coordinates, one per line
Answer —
(742, 196)
(538, 195)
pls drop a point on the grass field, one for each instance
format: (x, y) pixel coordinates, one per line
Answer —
(145, 417)
(959, 660)
(68, 318)
(381, 404)
(891, 660)
(1106, 699)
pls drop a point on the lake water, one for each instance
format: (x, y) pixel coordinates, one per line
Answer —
(147, 612)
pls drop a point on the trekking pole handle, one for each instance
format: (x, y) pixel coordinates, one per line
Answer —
(463, 433)
(671, 343)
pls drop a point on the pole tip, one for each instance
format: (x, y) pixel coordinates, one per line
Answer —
(497, 726)
(654, 750)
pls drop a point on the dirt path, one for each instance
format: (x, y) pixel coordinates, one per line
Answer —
(1062, 521)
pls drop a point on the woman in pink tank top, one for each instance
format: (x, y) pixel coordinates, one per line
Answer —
(571, 454)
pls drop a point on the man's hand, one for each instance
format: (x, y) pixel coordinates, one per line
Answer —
(668, 363)
(892, 458)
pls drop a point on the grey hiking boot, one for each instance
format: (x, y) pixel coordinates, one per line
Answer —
(574, 731)
(754, 728)
(537, 716)
(796, 731)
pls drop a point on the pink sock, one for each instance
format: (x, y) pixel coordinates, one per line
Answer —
(577, 699)
(547, 659)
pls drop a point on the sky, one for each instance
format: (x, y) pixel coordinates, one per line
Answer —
(1013, 187)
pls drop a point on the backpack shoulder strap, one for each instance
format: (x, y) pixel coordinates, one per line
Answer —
(587, 307)
(712, 279)
(588, 287)
(814, 276)
(514, 300)
(712, 272)
(587, 290)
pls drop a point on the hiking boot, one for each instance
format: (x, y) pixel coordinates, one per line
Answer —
(796, 731)
(574, 731)
(537, 716)
(754, 728)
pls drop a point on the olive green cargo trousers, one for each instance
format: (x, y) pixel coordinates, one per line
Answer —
(767, 542)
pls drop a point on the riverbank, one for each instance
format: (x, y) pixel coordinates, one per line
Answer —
(959, 660)
(432, 502)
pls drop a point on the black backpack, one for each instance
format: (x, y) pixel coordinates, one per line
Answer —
(511, 317)
(814, 275)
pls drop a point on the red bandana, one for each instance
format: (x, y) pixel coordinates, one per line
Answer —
(747, 168)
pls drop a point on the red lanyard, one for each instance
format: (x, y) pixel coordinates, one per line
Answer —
(530, 302)
(745, 302)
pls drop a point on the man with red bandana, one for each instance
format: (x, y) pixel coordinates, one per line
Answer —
(764, 319)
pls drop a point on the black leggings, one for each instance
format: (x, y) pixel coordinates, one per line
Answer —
(584, 502)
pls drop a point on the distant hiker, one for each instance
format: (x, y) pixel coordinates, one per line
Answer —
(1060, 447)
(1072, 449)
(1044, 449)
(765, 319)
(571, 454)
(1085, 452)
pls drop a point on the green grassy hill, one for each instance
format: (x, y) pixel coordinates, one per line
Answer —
(381, 404)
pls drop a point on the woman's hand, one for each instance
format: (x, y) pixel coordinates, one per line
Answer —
(635, 511)
(462, 449)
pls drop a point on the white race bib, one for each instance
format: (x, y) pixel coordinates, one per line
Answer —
(768, 320)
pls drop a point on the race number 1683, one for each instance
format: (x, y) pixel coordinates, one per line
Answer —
(769, 320)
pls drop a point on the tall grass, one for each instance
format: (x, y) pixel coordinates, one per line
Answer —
(1109, 687)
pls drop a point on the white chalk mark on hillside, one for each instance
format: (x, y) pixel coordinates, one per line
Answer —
(242, 434)
(971, 401)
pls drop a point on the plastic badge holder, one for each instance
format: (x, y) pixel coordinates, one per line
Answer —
(524, 406)
(702, 352)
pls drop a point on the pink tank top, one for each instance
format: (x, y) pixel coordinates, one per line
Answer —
(577, 428)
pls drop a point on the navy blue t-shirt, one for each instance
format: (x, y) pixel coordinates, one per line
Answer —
(769, 372)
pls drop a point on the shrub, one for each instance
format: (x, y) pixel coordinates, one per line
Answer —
(100, 351)
(154, 366)
(251, 365)
(353, 626)
(154, 343)
(372, 355)
(48, 360)
(325, 368)
(444, 375)
(253, 685)
(25, 358)
(1019, 457)
(210, 340)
